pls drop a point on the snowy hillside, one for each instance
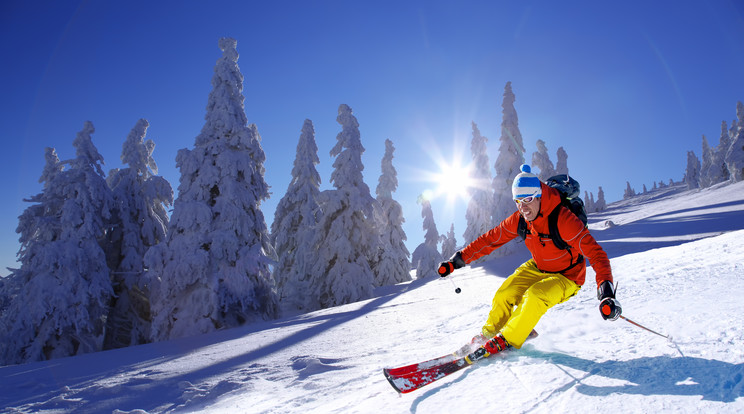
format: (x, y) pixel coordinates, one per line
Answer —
(677, 257)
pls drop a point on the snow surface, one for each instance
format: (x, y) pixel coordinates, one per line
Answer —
(677, 258)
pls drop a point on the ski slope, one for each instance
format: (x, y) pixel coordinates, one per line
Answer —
(677, 258)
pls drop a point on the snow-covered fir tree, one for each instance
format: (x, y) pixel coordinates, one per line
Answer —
(705, 164)
(589, 202)
(63, 285)
(294, 224)
(141, 221)
(213, 270)
(345, 234)
(449, 243)
(724, 143)
(478, 214)
(735, 154)
(715, 170)
(600, 204)
(541, 160)
(630, 192)
(510, 158)
(692, 172)
(393, 265)
(561, 167)
(426, 256)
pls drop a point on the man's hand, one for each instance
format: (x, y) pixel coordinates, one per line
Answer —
(609, 307)
(446, 268)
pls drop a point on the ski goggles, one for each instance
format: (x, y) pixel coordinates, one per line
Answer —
(526, 200)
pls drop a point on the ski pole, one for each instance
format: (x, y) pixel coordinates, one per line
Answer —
(457, 289)
(643, 327)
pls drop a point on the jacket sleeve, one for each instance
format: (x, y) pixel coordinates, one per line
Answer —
(581, 240)
(492, 239)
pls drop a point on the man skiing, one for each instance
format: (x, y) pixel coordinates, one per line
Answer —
(552, 276)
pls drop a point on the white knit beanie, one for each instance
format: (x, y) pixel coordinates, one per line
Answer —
(526, 184)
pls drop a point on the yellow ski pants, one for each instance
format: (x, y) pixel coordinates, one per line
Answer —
(523, 299)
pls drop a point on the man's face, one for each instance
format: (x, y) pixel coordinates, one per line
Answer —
(529, 209)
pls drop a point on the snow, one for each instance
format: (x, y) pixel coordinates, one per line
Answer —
(672, 276)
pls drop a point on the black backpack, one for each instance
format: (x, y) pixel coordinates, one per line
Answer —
(569, 190)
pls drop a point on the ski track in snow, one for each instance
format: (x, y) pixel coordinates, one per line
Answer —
(671, 275)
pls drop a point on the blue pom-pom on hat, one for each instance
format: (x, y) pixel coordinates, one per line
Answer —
(526, 184)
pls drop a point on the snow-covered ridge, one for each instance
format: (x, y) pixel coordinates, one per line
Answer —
(330, 361)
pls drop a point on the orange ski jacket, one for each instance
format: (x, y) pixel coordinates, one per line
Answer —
(549, 258)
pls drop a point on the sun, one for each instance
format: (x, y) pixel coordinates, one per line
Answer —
(453, 181)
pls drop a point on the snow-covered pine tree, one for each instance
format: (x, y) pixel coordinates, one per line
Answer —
(141, 221)
(213, 270)
(630, 192)
(393, 265)
(705, 167)
(510, 158)
(449, 243)
(426, 256)
(714, 169)
(345, 233)
(692, 173)
(64, 285)
(478, 214)
(541, 160)
(561, 167)
(600, 204)
(735, 154)
(724, 143)
(294, 226)
(589, 202)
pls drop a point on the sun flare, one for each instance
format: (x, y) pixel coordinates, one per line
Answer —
(453, 182)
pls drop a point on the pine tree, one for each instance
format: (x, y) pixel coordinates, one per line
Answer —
(705, 167)
(692, 173)
(63, 287)
(600, 204)
(294, 224)
(426, 256)
(561, 167)
(510, 158)
(141, 198)
(735, 154)
(213, 270)
(589, 202)
(478, 214)
(630, 192)
(345, 233)
(541, 160)
(449, 243)
(724, 143)
(392, 265)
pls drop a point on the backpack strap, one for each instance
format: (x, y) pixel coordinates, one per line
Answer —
(555, 235)
(522, 229)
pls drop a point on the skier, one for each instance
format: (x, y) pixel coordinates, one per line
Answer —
(551, 277)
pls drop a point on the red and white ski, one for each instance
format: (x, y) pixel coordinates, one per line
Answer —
(412, 377)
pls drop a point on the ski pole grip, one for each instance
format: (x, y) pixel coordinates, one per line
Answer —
(446, 268)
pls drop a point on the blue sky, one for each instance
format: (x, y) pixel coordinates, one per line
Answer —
(627, 88)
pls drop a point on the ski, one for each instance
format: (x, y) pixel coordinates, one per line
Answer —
(412, 377)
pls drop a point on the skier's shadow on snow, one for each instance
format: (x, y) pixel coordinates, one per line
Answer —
(662, 375)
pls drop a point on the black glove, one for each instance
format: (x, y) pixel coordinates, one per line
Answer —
(609, 307)
(456, 262)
